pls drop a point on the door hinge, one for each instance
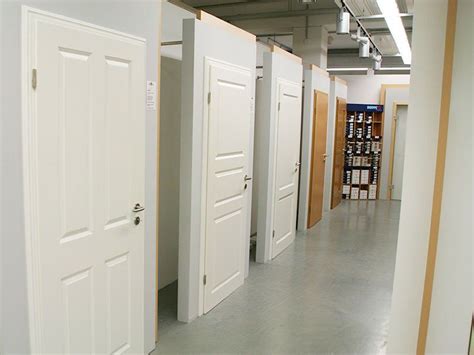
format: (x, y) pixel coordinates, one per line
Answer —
(273, 234)
(204, 280)
(391, 187)
(33, 79)
(279, 105)
(208, 97)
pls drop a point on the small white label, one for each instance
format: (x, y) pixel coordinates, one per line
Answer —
(151, 95)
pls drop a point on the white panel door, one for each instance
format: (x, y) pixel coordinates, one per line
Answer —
(399, 151)
(85, 168)
(229, 128)
(287, 165)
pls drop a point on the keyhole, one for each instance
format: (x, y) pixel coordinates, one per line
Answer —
(137, 221)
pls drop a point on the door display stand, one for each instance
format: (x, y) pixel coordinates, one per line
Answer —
(362, 152)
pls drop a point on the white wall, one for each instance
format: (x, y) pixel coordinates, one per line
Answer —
(170, 117)
(392, 95)
(337, 89)
(314, 79)
(275, 66)
(451, 304)
(365, 89)
(172, 28)
(137, 18)
(200, 40)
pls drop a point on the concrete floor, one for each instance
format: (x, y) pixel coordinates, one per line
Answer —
(329, 292)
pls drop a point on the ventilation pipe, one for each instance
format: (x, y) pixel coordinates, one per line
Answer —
(343, 23)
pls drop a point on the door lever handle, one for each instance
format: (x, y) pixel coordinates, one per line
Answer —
(247, 178)
(138, 208)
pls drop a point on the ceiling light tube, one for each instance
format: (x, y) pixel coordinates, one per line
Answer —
(346, 69)
(396, 68)
(393, 19)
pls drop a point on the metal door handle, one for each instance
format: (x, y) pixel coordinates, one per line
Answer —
(247, 178)
(297, 166)
(138, 208)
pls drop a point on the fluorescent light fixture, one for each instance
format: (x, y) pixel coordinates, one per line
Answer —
(391, 14)
(396, 68)
(346, 69)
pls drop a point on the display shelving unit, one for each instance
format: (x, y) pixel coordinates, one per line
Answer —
(362, 152)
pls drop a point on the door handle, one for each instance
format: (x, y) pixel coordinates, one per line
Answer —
(297, 166)
(246, 178)
(138, 208)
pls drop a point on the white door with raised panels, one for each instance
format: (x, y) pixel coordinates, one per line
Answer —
(287, 165)
(228, 136)
(84, 168)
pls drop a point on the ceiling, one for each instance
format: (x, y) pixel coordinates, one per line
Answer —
(274, 20)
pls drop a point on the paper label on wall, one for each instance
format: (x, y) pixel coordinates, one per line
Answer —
(151, 95)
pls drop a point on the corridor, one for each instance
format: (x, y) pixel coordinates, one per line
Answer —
(329, 292)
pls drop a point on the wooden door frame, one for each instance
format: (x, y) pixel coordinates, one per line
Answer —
(395, 106)
(313, 140)
(338, 98)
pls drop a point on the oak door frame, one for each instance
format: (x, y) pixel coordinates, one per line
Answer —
(396, 104)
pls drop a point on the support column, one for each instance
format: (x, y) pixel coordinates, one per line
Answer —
(311, 44)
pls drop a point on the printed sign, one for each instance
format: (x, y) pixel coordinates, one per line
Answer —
(151, 95)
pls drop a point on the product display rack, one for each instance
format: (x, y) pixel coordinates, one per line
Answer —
(362, 152)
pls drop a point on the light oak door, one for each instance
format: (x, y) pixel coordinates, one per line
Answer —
(287, 166)
(338, 156)
(318, 158)
(228, 161)
(84, 149)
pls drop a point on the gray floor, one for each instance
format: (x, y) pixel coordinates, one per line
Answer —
(329, 292)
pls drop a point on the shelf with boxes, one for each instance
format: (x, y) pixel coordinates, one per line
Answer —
(363, 151)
